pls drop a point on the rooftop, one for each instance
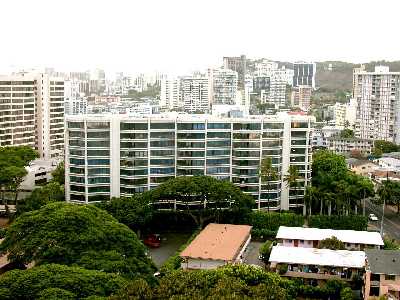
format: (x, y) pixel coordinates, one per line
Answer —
(218, 242)
(384, 261)
(319, 257)
(358, 162)
(316, 234)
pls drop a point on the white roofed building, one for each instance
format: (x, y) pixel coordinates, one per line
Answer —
(317, 264)
(310, 237)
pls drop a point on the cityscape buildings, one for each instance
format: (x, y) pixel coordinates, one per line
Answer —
(223, 86)
(195, 93)
(238, 64)
(119, 155)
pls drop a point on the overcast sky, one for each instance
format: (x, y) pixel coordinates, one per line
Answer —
(179, 36)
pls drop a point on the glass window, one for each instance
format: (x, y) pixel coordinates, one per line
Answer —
(162, 152)
(133, 126)
(77, 188)
(217, 170)
(299, 134)
(246, 136)
(77, 179)
(77, 152)
(160, 179)
(95, 162)
(79, 125)
(162, 161)
(162, 144)
(98, 152)
(137, 181)
(195, 135)
(191, 144)
(217, 152)
(162, 170)
(99, 189)
(98, 144)
(162, 135)
(77, 161)
(99, 180)
(299, 125)
(162, 125)
(76, 143)
(134, 163)
(76, 170)
(78, 134)
(77, 197)
(247, 126)
(219, 125)
(218, 144)
(98, 125)
(390, 277)
(191, 126)
(225, 135)
(133, 172)
(190, 163)
(98, 134)
(191, 153)
(273, 125)
(98, 171)
(134, 136)
(219, 161)
(133, 144)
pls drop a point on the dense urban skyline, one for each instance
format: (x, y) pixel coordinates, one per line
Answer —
(178, 37)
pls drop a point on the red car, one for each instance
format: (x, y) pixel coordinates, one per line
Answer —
(152, 240)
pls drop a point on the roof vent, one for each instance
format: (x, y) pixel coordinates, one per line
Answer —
(394, 260)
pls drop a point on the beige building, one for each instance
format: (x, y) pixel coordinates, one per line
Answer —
(382, 276)
(347, 145)
(216, 245)
(301, 97)
(361, 167)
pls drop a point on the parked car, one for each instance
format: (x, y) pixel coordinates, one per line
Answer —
(152, 240)
(372, 217)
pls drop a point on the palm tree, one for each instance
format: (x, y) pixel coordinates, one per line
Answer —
(267, 174)
(309, 197)
(291, 180)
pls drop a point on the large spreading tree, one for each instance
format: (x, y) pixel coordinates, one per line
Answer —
(203, 198)
(71, 234)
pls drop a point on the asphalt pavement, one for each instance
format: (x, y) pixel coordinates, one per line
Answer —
(391, 222)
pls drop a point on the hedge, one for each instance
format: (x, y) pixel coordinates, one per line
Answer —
(351, 222)
(272, 221)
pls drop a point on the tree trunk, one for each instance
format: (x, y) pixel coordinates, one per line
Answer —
(321, 207)
(329, 208)
(364, 203)
(356, 209)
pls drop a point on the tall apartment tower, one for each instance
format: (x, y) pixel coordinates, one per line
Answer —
(238, 64)
(223, 85)
(119, 155)
(304, 74)
(378, 104)
(170, 97)
(33, 101)
(195, 93)
(17, 110)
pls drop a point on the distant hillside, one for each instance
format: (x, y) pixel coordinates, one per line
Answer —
(341, 76)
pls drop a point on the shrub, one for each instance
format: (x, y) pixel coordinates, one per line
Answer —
(265, 251)
(282, 269)
(352, 222)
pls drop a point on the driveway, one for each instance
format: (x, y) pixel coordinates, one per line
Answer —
(251, 254)
(170, 243)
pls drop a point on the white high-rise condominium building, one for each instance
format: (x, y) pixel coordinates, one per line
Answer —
(195, 93)
(223, 86)
(170, 97)
(119, 155)
(50, 116)
(378, 111)
(32, 113)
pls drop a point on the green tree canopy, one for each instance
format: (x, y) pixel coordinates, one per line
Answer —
(202, 197)
(331, 243)
(13, 161)
(327, 167)
(135, 211)
(52, 280)
(51, 192)
(347, 133)
(72, 234)
(385, 146)
(59, 174)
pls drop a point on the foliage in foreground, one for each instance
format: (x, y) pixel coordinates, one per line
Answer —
(71, 234)
(332, 243)
(52, 281)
